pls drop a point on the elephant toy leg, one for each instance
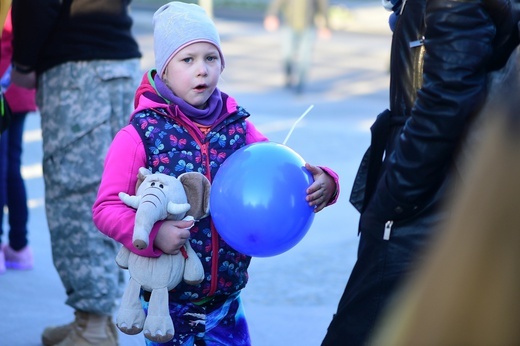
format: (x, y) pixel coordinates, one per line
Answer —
(158, 326)
(122, 257)
(193, 269)
(130, 318)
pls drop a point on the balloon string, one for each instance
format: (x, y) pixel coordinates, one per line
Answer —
(296, 122)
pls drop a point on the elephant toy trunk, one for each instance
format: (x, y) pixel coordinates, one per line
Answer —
(146, 215)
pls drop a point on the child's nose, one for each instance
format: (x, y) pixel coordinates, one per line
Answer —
(203, 69)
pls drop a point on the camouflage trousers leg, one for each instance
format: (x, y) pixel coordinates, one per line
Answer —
(82, 106)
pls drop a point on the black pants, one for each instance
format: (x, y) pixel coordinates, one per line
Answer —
(381, 267)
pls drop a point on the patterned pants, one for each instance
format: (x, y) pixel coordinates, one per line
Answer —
(216, 323)
(82, 105)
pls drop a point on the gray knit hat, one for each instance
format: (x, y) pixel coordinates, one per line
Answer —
(177, 25)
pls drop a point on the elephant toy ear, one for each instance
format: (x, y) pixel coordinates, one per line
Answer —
(141, 176)
(197, 188)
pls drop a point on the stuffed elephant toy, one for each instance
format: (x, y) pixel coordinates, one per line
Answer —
(159, 197)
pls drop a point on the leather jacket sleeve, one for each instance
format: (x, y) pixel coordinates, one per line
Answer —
(459, 44)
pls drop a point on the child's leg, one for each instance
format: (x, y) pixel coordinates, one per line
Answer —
(16, 192)
(227, 325)
(215, 323)
(184, 318)
(3, 177)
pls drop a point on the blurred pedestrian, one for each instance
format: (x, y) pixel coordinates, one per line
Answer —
(84, 61)
(300, 21)
(5, 111)
(191, 126)
(17, 254)
(442, 51)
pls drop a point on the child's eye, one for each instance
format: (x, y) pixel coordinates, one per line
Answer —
(187, 60)
(211, 58)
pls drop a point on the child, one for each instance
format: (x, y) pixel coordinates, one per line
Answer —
(183, 122)
(17, 253)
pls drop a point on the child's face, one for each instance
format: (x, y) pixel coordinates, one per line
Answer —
(192, 74)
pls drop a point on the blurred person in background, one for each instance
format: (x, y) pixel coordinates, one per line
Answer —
(300, 20)
(16, 254)
(85, 63)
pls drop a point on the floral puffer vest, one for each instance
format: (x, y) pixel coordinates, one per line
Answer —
(174, 148)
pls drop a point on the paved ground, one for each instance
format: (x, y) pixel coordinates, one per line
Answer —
(291, 297)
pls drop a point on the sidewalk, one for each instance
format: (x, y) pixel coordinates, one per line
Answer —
(290, 298)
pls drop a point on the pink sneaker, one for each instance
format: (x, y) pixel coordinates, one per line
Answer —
(21, 260)
(2, 260)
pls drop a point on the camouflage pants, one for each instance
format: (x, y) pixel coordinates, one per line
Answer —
(82, 106)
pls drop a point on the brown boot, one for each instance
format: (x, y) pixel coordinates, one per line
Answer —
(76, 334)
(53, 335)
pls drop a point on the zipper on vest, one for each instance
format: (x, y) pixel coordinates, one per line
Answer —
(215, 238)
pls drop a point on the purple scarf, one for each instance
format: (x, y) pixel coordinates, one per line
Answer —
(206, 116)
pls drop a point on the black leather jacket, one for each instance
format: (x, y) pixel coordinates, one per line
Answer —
(441, 53)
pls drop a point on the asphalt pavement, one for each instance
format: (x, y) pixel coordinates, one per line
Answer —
(291, 297)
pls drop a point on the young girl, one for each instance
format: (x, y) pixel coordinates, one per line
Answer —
(183, 122)
(16, 253)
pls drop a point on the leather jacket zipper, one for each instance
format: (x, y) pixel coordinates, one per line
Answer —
(417, 43)
(402, 7)
(388, 230)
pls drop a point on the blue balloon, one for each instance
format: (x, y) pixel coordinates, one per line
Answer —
(257, 199)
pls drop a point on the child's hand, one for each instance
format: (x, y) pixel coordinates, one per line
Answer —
(172, 235)
(321, 190)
